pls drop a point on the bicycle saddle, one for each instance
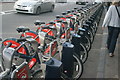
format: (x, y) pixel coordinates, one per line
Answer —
(22, 29)
(60, 21)
(68, 16)
(68, 11)
(57, 16)
(48, 27)
(37, 22)
(78, 10)
(77, 15)
(74, 13)
(64, 13)
(45, 27)
(64, 22)
(52, 22)
(72, 10)
(75, 8)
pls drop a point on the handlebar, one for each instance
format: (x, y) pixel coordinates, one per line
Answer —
(20, 55)
(68, 17)
(52, 22)
(21, 40)
(50, 37)
(9, 44)
(39, 23)
(47, 27)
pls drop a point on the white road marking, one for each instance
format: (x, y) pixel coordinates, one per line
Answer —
(2, 12)
(7, 12)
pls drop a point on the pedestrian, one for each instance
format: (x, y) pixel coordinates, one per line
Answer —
(106, 7)
(112, 21)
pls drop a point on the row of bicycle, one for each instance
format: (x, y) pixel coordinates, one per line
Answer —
(55, 50)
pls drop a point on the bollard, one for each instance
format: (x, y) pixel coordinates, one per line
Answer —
(67, 59)
(53, 69)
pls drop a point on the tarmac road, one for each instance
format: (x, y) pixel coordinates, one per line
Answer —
(12, 20)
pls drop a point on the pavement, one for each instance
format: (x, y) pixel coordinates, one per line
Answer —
(99, 65)
(6, 6)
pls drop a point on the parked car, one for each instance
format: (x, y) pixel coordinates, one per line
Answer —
(34, 6)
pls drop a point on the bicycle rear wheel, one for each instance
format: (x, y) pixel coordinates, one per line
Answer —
(87, 42)
(78, 67)
(37, 75)
(83, 55)
(90, 34)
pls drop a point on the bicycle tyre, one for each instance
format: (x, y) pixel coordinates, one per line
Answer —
(83, 55)
(77, 68)
(88, 44)
(37, 74)
(90, 34)
(95, 26)
(93, 30)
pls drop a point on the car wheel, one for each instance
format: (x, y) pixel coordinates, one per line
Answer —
(38, 11)
(52, 8)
